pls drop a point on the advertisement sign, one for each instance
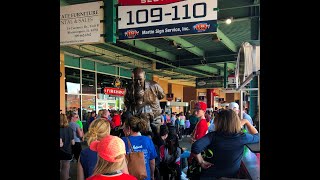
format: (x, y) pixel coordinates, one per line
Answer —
(145, 2)
(180, 18)
(209, 82)
(114, 91)
(80, 23)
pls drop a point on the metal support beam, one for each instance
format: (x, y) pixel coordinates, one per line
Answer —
(184, 70)
(198, 61)
(110, 18)
(63, 3)
(226, 41)
(225, 75)
(187, 46)
(248, 79)
(255, 4)
(151, 49)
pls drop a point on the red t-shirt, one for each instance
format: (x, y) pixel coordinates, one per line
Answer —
(201, 130)
(116, 120)
(114, 177)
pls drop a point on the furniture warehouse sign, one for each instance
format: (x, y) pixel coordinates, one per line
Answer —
(80, 23)
(157, 18)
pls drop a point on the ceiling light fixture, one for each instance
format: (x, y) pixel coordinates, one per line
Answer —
(229, 20)
(175, 44)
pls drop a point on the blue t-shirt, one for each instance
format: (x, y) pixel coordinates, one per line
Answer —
(247, 116)
(74, 127)
(227, 152)
(142, 144)
(88, 160)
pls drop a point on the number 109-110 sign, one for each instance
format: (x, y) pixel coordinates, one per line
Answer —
(175, 19)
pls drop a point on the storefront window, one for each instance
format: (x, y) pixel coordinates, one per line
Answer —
(105, 101)
(88, 82)
(88, 105)
(72, 104)
(72, 81)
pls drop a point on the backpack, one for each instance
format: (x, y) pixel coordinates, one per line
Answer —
(194, 168)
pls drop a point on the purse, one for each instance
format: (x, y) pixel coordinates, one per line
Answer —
(135, 163)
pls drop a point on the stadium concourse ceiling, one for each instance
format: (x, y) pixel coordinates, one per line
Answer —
(203, 55)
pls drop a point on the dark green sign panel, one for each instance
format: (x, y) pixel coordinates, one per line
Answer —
(209, 82)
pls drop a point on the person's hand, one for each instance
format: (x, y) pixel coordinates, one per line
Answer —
(205, 164)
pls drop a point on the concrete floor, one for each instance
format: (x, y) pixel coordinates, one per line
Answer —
(184, 143)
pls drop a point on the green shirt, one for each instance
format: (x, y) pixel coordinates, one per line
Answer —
(80, 124)
(193, 119)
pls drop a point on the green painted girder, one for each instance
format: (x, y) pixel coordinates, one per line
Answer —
(124, 51)
(88, 52)
(187, 46)
(226, 41)
(110, 23)
(63, 3)
(151, 49)
(215, 66)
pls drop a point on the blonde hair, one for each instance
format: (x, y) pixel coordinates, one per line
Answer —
(64, 122)
(104, 166)
(98, 129)
(227, 121)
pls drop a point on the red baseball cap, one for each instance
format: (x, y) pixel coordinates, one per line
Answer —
(200, 106)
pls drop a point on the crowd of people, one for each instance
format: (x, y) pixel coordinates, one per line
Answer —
(111, 134)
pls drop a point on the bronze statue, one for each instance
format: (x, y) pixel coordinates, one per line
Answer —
(142, 98)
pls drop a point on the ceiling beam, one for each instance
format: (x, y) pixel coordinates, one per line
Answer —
(187, 46)
(226, 41)
(72, 50)
(150, 49)
(198, 61)
(183, 70)
(63, 3)
(237, 7)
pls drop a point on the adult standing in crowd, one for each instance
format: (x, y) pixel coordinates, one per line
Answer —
(193, 121)
(235, 107)
(98, 129)
(66, 142)
(78, 134)
(139, 143)
(228, 142)
(111, 159)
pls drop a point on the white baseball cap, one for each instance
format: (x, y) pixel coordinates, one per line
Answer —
(233, 106)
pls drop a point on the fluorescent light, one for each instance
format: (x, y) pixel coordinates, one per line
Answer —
(228, 21)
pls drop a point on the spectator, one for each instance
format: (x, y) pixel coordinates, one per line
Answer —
(228, 142)
(170, 158)
(111, 159)
(78, 134)
(98, 129)
(235, 106)
(132, 129)
(202, 126)
(66, 142)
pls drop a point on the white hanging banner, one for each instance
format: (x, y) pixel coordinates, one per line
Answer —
(251, 60)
